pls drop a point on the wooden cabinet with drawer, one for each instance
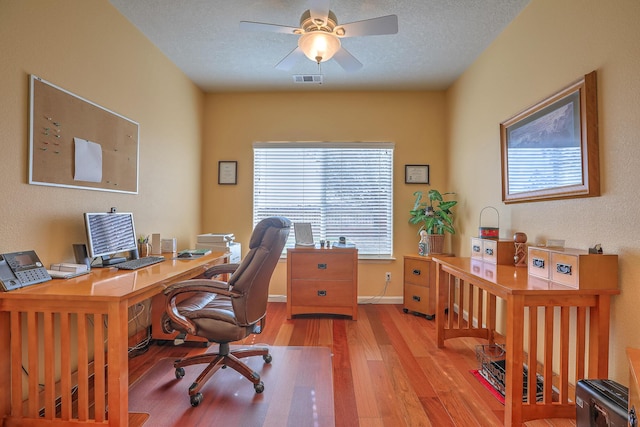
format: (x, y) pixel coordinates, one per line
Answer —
(420, 285)
(322, 281)
(575, 268)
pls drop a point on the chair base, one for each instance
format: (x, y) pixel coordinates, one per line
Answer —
(223, 358)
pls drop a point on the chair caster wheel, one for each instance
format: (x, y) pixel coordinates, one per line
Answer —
(196, 399)
(267, 358)
(179, 373)
(259, 388)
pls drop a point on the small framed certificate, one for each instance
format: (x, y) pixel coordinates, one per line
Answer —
(227, 172)
(416, 174)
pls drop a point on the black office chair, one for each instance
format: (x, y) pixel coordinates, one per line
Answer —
(223, 312)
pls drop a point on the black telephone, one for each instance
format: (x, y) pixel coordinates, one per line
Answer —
(20, 269)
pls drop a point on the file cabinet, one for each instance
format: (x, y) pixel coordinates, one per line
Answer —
(322, 281)
(420, 285)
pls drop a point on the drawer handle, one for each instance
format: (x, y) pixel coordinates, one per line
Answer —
(322, 293)
(489, 251)
(322, 266)
(416, 272)
(563, 269)
(537, 262)
(476, 248)
(416, 298)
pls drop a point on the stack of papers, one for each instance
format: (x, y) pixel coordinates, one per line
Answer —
(195, 252)
(67, 270)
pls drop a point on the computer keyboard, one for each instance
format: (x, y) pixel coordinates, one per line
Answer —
(135, 264)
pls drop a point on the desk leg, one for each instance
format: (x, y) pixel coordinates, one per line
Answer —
(599, 337)
(5, 368)
(514, 360)
(442, 293)
(491, 318)
(118, 378)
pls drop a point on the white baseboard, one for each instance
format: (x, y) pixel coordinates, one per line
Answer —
(361, 299)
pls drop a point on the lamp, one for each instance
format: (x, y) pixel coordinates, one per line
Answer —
(319, 45)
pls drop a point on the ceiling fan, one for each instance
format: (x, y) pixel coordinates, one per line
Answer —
(320, 35)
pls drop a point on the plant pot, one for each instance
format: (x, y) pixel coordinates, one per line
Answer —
(144, 249)
(435, 243)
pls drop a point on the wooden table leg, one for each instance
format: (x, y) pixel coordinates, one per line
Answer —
(5, 369)
(442, 291)
(514, 360)
(599, 337)
(118, 378)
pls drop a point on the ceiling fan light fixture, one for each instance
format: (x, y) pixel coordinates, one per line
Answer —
(319, 46)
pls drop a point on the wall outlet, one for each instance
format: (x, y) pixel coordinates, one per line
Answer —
(387, 276)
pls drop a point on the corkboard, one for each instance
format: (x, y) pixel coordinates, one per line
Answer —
(64, 126)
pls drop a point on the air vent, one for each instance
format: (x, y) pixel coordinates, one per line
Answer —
(308, 78)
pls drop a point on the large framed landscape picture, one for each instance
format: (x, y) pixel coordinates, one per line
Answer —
(550, 150)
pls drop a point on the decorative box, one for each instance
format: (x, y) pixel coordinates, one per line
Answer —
(493, 251)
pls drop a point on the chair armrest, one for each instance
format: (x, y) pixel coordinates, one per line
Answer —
(193, 286)
(220, 269)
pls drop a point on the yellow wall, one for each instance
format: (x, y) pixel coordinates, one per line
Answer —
(414, 121)
(549, 45)
(88, 48)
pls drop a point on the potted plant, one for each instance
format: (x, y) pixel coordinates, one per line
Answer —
(435, 218)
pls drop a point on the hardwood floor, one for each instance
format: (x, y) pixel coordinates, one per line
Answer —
(387, 369)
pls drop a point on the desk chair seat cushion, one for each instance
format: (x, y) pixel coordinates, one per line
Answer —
(213, 316)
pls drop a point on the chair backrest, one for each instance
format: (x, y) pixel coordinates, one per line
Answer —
(255, 270)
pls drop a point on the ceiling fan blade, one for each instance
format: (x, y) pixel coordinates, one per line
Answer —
(371, 27)
(319, 10)
(290, 60)
(272, 28)
(347, 60)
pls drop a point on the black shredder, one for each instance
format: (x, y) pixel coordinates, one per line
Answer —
(601, 403)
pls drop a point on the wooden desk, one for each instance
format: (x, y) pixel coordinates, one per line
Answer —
(59, 316)
(472, 287)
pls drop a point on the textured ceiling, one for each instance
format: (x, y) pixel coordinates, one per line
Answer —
(436, 41)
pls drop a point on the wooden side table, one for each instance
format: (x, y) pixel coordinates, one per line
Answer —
(322, 281)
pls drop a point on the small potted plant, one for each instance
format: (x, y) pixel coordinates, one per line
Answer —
(435, 218)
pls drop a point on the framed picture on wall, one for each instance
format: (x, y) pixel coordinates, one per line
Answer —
(416, 174)
(227, 172)
(550, 150)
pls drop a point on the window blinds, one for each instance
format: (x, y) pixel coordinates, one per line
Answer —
(342, 189)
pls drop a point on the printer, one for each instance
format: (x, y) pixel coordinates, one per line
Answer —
(222, 242)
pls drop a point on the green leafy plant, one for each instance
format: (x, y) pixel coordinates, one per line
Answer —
(433, 214)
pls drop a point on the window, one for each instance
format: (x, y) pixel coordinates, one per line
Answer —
(342, 189)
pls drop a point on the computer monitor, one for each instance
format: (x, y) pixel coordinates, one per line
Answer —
(109, 234)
